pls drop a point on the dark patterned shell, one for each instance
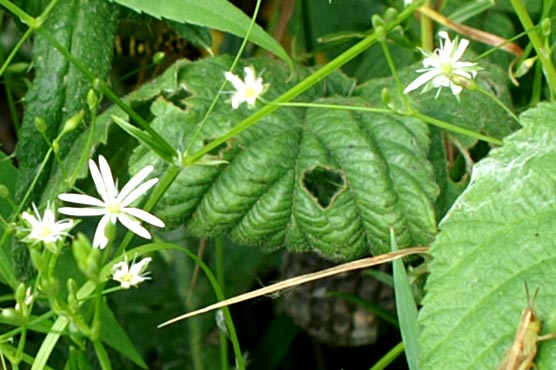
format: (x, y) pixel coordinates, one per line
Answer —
(333, 320)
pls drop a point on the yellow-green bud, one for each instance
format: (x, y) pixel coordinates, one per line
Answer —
(92, 100)
(546, 27)
(38, 260)
(18, 68)
(4, 192)
(158, 57)
(72, 123)
(40, 124)
(390, 15)
(377, 21)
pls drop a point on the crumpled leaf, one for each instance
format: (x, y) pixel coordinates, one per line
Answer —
(331, 181)
(499, 234)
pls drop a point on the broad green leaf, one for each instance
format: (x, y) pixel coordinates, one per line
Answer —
(310, 179)
(114, 335)
(500, 233)
(219, 14)
(59, 89)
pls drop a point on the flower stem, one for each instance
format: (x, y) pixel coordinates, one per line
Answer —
(542, 51)
(456, 129)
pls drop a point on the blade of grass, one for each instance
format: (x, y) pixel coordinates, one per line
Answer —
(406, 308)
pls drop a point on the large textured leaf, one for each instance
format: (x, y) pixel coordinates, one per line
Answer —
(59, 90)
(312, 179)
(499, 234)
(218, 14)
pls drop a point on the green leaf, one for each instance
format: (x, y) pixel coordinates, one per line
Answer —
(500, 233)
(406, 309)
(59, 90)
(312, 179)
(218, 14)
(114, 335)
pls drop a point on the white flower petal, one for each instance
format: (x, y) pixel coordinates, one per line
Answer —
(235, 80)
(144, 216)
(420, 81)
(107, 178)
(138, 268)
(141, 189)
(134, 182)
(134, 226)
(81, 199)
(98, 180)
(83, 212)
(237, 99)
(461, 49)
(100, 240)
(249, 76)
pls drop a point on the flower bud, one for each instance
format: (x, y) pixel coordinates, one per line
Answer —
(72, 123)
(92, 100)
(159, 57)
(546, 27)
(390, 15)
(4, 192)
(40, 124)
(377, 21)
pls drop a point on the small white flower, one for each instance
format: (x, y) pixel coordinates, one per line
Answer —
(45, 229)
(113, 205)
(443, 66)
(247, 91)
(130, 275)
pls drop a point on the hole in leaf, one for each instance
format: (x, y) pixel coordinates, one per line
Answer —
(220, 150)
(324, 184)
(177, 97)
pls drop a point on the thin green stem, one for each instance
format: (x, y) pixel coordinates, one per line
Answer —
(23, 17)
(16, 48)
(221, 277)
(224, 82)
(422, 117)
(311, 80)
(427, 31)
(33, 183)
(388, 358)
(333, 106)
(542, 52)
(456, 129)
(498, 102)
(393, 69)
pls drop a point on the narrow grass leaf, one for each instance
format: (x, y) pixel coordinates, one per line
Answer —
(407, 310)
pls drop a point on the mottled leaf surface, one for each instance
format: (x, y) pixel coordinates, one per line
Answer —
(332, 181)
(500, 233)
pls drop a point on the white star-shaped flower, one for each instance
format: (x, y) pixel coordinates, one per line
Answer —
(130, 275)
(113, 205)
(45, 229)
(247, 91)
(443, 68)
